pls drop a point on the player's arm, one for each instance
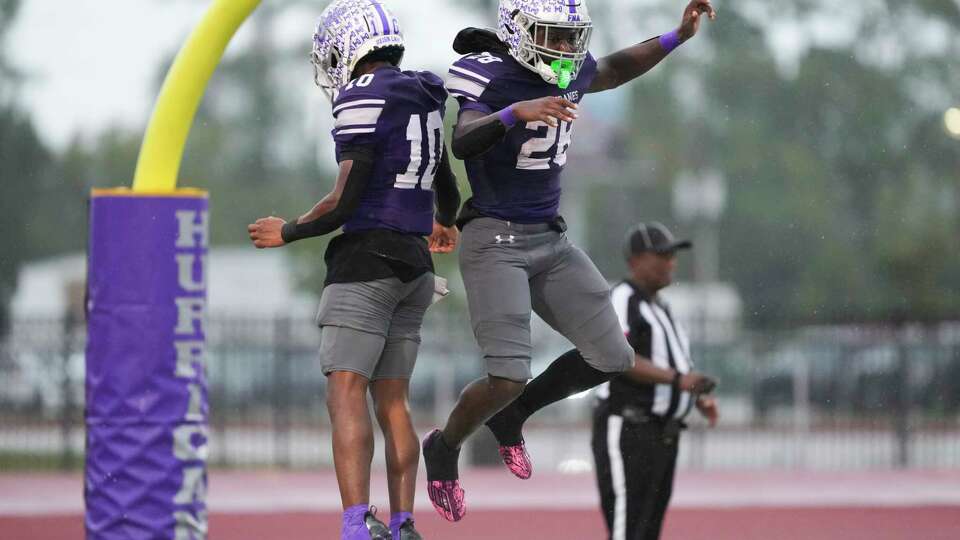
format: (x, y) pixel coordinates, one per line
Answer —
(448, 194)
(625, 65)
(326, 216)
(477, 132)
(646, 372)
(445, 235)
(639, 335)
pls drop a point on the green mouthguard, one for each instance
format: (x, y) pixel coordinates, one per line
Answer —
(564, 71)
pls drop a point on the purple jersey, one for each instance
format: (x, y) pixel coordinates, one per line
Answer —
(400, 115)
(519, 179)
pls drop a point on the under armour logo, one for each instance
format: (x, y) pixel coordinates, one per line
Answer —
(506, 239)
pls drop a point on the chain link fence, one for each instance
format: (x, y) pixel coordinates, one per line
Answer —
(842, 397)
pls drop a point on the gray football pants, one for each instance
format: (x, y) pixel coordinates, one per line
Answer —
(373, 328)
(511, 269)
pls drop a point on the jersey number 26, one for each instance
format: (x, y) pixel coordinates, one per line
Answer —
(548, 148)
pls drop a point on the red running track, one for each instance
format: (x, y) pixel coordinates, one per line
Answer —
(922, 523)
(265, 505)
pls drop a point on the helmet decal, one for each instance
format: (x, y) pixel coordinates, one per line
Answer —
(546, 36)
(348, 31)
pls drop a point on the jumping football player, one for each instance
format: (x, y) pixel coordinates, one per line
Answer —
(393, 168)
(519, 91)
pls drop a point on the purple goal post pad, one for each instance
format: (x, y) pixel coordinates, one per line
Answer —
(146, 390)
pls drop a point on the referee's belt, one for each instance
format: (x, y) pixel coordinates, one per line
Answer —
(636, 415)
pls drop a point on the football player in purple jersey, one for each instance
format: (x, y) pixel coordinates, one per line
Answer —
(394, 171)
(519, 90)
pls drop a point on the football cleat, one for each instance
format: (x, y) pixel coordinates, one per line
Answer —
(408, 532)
(517, 459)
(378, 529)
(443, 484)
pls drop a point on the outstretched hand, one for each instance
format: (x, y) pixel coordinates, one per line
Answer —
(692, 15)
(707, 405)
(266, 232)
(443, 239)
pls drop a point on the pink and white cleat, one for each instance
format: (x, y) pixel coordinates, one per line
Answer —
(507, 428)
(517, 459)
(443, 483)
(448, 499)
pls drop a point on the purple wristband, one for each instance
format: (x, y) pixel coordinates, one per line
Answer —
(670, 41)
(507, 117)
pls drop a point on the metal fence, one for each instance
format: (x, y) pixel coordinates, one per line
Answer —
(811, 397)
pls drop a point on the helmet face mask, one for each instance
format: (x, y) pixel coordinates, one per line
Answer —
(349, 31)
(539, 32)
(325, 60)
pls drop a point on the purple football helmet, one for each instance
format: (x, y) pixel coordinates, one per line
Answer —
(539, 32)
(348, 31)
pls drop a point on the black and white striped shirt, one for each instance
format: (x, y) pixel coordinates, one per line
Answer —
(655, 335)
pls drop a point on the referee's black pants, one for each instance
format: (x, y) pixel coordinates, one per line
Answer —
(635, 460)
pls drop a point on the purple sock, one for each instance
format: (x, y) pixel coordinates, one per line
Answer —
(354, 527)
(397, 519)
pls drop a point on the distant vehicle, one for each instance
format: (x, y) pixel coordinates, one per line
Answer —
(858, 372)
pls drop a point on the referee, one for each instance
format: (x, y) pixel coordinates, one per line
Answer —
(639, 415)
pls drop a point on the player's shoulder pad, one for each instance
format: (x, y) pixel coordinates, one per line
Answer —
(471, 75)
(357, 108)
(429, 79)
(433, 84)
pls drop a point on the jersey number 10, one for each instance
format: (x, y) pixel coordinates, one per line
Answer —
(425, 133)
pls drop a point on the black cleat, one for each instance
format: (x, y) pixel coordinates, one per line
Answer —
(378, 530)
(407, 532)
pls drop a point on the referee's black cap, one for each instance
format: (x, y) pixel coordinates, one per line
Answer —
(652, 237)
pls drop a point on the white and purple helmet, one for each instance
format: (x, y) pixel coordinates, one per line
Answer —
(348, 31)
(529, 27)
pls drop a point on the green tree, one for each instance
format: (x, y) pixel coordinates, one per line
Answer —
(843, 187)
(25, 164)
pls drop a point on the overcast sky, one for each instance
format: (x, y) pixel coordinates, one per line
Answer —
(93, 62)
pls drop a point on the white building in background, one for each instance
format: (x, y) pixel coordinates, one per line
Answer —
(712, 312)
(242, 282)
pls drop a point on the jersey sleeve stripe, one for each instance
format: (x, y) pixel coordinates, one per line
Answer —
(464, 87)
(466, 104)
(457, 93)
(358, 116)
(358, 103)
(356, 131)
(352, 126)
(460, 72)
